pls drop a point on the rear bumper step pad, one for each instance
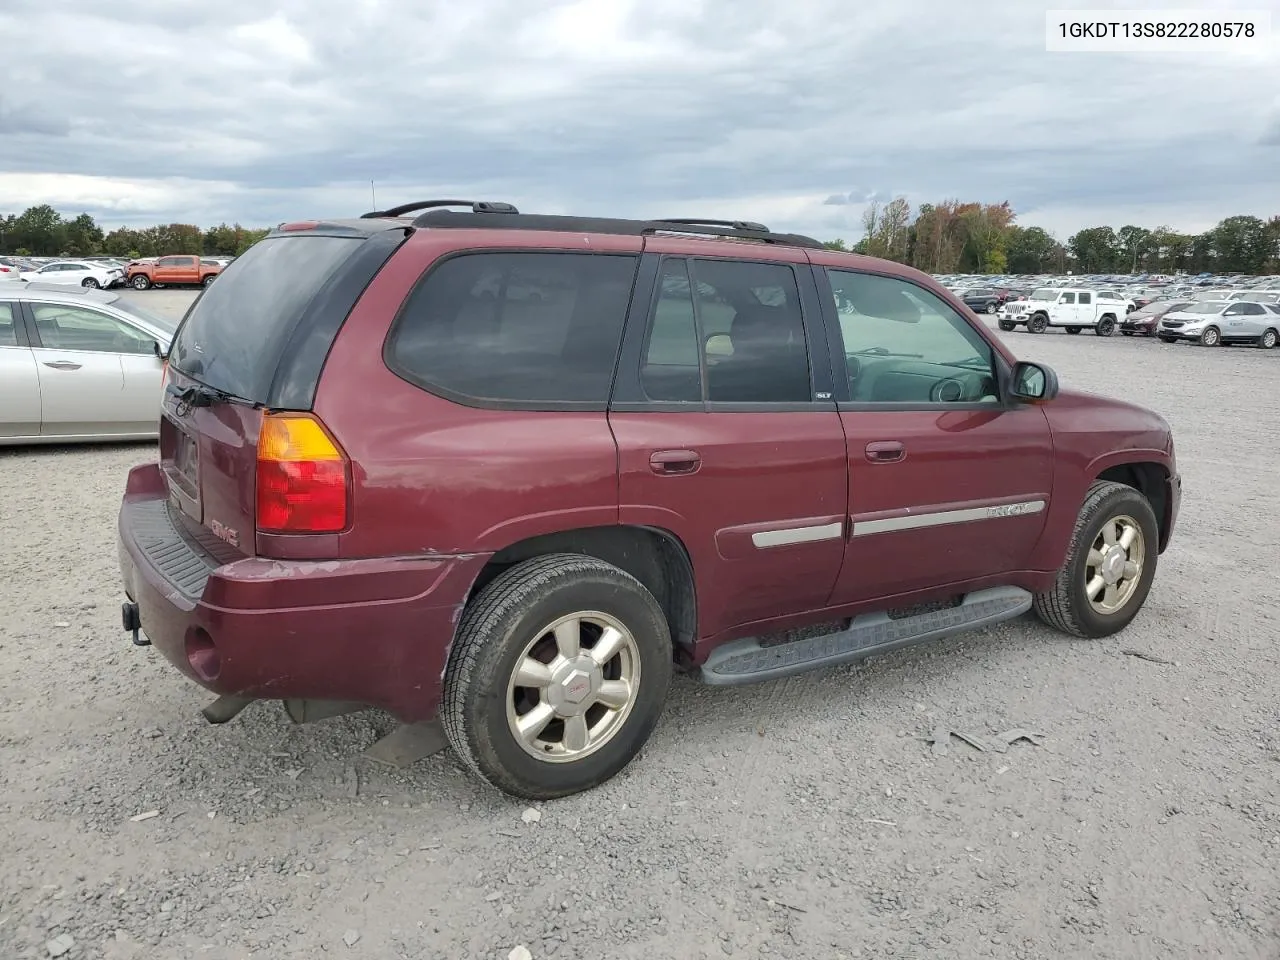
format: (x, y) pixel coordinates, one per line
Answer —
(746, 661)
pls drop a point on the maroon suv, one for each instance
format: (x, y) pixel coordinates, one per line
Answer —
(509, 470)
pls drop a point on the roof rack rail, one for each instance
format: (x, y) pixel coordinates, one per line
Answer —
(477, 206)
(735, 224)
(733, 230)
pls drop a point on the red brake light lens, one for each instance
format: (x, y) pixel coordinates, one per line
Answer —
(302, 477)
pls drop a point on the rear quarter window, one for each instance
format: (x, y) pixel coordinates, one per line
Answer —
(519, 329)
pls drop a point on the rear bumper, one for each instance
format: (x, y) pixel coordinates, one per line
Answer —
(373, 631)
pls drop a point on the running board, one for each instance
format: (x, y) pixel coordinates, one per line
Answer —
(747, 661)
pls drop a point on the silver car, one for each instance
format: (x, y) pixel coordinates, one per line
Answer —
(78, 365)
(1214, 322)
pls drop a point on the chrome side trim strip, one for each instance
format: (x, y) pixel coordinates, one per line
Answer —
(782, 538)
(915, 521)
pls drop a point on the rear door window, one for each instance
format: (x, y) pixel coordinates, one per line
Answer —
(232, 338)
(518, 329)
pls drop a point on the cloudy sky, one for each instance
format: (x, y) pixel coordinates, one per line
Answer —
(791, 112)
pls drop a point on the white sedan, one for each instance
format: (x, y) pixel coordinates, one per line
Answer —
(78, 365)
(80, 273)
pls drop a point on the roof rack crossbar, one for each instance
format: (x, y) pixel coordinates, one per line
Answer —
(631, 228)
(477, 206)
(735, 224)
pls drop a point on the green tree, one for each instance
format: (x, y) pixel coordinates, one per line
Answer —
(1030, 250)
(1242, 244)
(1134, 242)
(39, 230)
(83, 237)
(1095, 250)
(836, 245)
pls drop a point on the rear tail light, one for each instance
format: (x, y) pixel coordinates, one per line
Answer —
(302, 476)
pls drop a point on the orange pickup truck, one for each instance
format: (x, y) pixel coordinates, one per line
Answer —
(175, 271)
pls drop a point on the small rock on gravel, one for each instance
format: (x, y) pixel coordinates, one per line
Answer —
(351, 937)
(60, 944)
(520, 952)
(531, 815)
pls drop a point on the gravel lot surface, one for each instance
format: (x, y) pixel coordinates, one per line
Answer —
(804, 818)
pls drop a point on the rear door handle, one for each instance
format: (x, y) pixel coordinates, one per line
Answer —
(62, 364)
(675, 462)
(885, 451)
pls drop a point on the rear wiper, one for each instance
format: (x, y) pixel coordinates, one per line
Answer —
(199, 395)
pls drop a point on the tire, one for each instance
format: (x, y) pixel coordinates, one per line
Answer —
(208, 280)
(1073, 329)
(140, 282)
(1038, 323)
(1067, 606)
(510, 623)
(1006, 325)
(992, 307)
(1211, 337)
(1168, 339)
(90, 284)
(1268, 339)
(1106, 326)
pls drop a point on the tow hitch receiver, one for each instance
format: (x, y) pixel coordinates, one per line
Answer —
(133, 623)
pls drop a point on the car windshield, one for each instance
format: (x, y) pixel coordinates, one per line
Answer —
(142, 313)
(1207, 307)
(1045, 293)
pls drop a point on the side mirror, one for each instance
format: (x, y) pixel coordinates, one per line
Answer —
(162, 353)
(1032, 383)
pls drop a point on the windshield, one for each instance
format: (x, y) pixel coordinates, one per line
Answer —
(154, 319)
(1045, 293)
(1207, 307)
(235, 331)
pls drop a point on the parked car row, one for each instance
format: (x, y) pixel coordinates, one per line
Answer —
(141, 274)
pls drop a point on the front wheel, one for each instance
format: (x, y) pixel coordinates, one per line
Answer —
(557, 677)
(1110, 565)
(140, 282)
(1006, 325)
(1168, 339)
(89, 283)
(1038, 324)
(1211, 337)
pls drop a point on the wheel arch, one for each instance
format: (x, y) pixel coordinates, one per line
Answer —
(1151, 479)
(654, 556)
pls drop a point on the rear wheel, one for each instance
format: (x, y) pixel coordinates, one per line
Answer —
(1106, 326)
(207, 280)
(140, 282)
(557, 677)
(1211, 337)
(1111, 562)
(992, 307)
(1038, 323)
(1268, 339)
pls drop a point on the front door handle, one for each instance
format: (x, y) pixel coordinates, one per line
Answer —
(675, 462)
(62, 365)
(885, 451)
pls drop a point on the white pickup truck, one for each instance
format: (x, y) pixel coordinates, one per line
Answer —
(1073, 308)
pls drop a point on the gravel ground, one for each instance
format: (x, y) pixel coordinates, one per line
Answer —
(803, 818)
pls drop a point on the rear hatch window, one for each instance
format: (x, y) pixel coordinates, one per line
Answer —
(233, 335)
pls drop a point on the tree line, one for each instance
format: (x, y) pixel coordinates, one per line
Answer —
(41, 231)
(954, 237)
(947, 237)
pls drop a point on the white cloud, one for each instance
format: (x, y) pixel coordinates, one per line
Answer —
(747, 109)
